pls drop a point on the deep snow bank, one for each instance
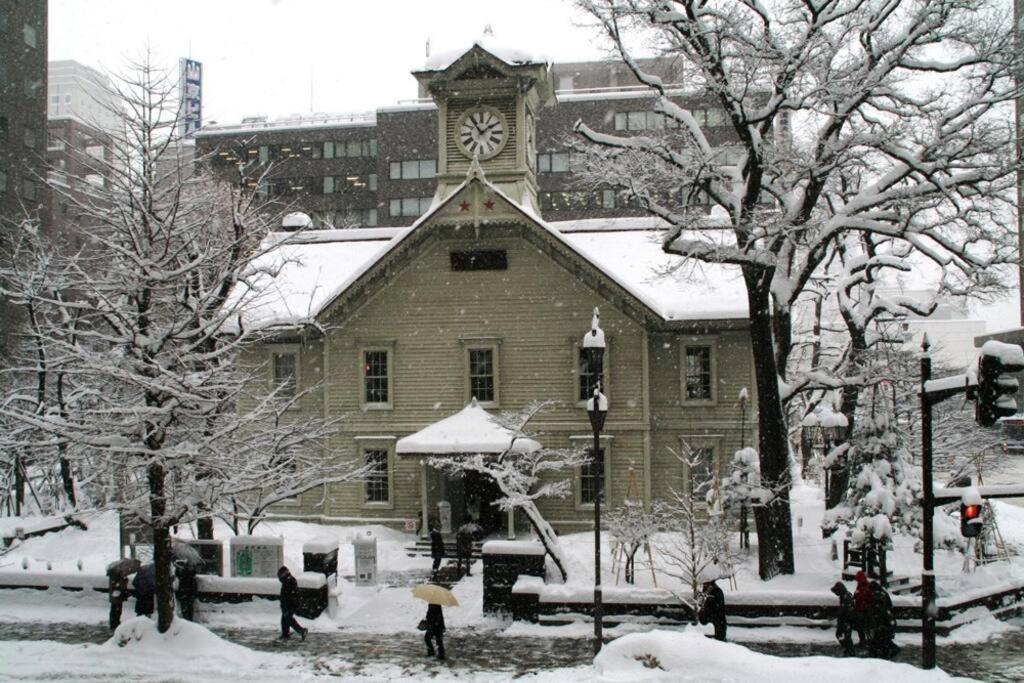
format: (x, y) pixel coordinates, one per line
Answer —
(690, 656)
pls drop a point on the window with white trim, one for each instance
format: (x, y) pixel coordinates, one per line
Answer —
(286, 373)
(377, 488)
(376, 377)
(591, 477)
(482, 374)
(698, 370)
(698, 373)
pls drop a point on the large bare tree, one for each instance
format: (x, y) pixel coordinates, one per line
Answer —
(144, 326)
(885, 118)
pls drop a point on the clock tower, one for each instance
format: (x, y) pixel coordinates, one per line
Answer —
(487, 104)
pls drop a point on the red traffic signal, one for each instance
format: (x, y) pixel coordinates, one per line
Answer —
(995, 388)
(970, 520)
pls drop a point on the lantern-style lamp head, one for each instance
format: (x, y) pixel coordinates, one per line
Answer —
(593, 353)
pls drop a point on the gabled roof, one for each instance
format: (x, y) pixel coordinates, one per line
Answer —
(299, 281)
(470, 431)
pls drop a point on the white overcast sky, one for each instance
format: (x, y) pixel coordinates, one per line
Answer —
(259, 55)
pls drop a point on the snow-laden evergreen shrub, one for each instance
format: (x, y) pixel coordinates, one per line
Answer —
(885, 485)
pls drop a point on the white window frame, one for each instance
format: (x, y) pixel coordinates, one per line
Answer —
(373, 346)
(586, 442)
(482, 343)
(378, 443)
(275, 350)
(702, 341)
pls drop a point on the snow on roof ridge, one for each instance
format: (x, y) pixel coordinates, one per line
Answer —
(508, 54)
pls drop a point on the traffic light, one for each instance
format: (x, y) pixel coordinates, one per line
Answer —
(996, 389)
(970, 520)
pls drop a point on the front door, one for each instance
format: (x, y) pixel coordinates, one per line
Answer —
(480, 493)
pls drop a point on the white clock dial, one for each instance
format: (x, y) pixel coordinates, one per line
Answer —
(482, 132)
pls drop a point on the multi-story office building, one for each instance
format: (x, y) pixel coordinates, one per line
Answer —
(379, 167)
(82, 114)
(22, 107)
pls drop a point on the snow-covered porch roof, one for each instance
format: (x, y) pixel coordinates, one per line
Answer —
(470, 431)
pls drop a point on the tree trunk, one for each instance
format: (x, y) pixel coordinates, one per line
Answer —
(774, 526)
(840, 477)
(161, 548)
(547, 537)
(66, 476)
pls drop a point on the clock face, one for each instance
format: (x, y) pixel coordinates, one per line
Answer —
(482, 132)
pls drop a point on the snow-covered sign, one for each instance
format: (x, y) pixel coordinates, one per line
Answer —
(472, 430)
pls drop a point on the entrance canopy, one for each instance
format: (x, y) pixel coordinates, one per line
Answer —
(470, 431)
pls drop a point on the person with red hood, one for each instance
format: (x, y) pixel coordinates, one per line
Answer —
(861, 603)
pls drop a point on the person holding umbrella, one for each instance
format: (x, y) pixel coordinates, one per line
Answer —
(436, 598)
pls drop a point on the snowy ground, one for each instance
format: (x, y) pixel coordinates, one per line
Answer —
(190, 652)
(368, 612)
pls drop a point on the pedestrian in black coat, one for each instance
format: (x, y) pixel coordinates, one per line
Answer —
(845, 617)
(882, 623)
(435, 631)
(144, 584)
(712, 610)
(188, 588)
(436, 547)
(289, 604)
(464, 546)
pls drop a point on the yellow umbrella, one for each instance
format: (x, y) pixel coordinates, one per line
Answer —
(435, 595)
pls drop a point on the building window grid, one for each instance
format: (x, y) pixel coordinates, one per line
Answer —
(698, 373)
(375, 377)
(376, 483)
(409, 206)
(553, 162)
(413, 169)
(652, 120)
(481, 374)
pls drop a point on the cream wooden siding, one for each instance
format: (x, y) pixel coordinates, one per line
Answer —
(537, 311)
(673, 419)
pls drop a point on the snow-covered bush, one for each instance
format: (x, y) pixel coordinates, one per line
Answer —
(885, 487)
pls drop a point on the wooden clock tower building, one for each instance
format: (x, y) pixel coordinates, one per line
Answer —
(487, 109)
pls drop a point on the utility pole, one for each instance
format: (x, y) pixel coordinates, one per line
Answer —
(927, 513)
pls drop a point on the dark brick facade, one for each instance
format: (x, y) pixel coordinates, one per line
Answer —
(22, 106)
(604, 95)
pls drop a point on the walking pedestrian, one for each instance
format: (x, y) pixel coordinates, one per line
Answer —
(712, 609)
(289, 604)
(435, 631)
(436, 546)
(464, 545)
(845, 618)
(882, 623)
(188, 588)
(144, 584)
(861, 602)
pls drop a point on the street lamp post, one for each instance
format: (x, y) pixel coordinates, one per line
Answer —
(597, 410)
